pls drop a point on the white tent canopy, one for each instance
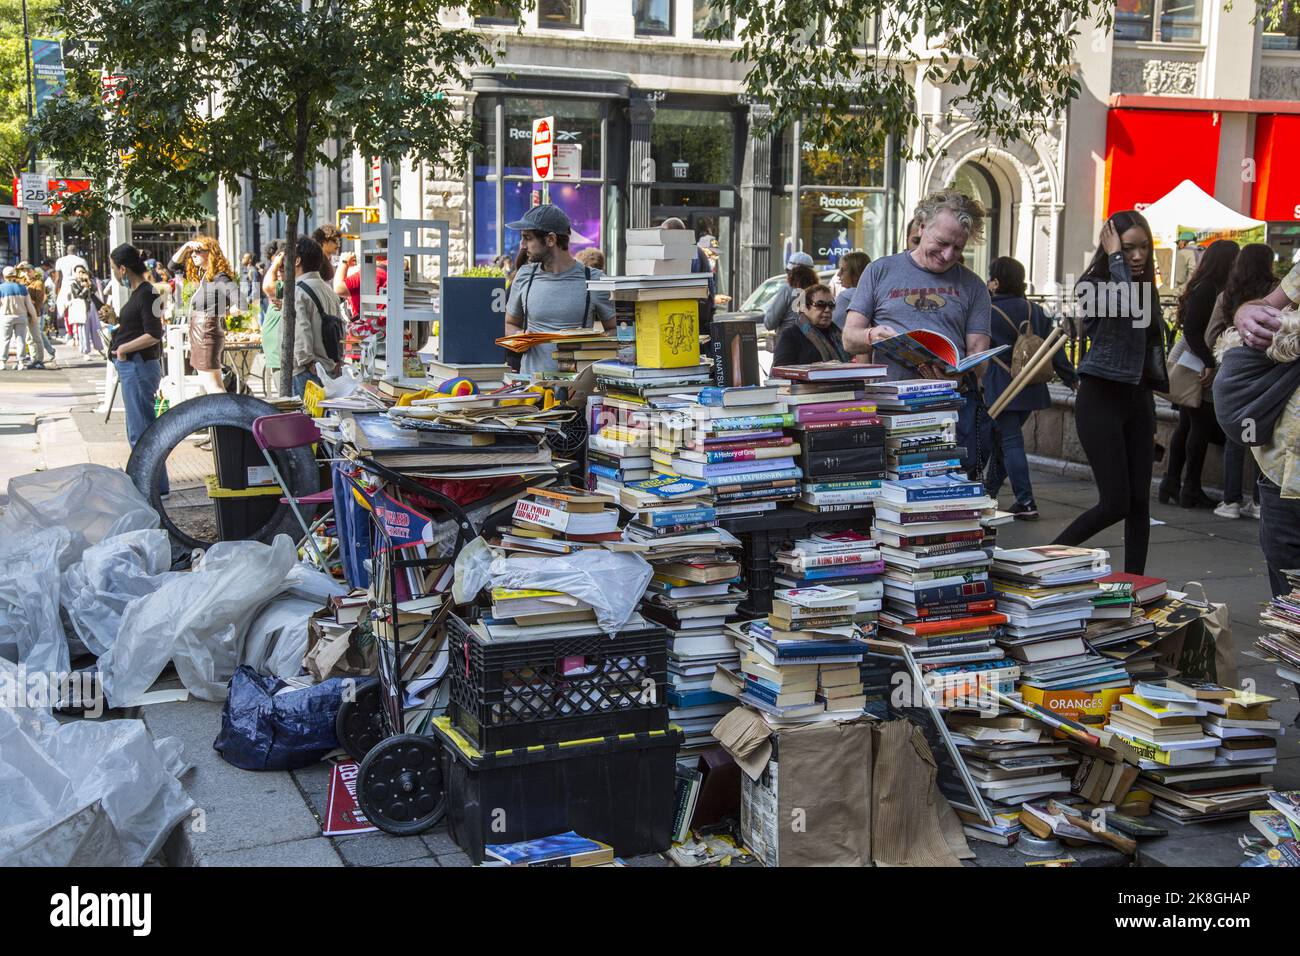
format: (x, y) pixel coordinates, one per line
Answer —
(1188, 207)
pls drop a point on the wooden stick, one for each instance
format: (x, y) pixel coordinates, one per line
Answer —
(1051, 345)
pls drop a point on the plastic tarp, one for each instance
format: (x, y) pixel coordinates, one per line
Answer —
(31, 631)
(264, 727)
(93, 502)
(197, 620)
(277, 637)
(612, 582)
(110, 575)
(86, 793)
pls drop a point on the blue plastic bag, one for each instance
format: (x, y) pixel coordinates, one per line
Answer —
(263, 731)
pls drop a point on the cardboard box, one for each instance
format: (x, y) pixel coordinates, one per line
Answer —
(811, 805)
(668, 333)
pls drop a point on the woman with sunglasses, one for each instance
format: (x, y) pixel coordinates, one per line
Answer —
(813, 337)
(215, 296)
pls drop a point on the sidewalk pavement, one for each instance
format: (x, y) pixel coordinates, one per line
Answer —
(251, 819)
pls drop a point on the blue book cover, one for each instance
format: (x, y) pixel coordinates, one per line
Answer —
(741, 467)
(741, 478)
(786, 649)
(713, 397)
(697, 698)
(936, 488)
(747, 423)
(555, 850)
(668, 486)
(668, 519)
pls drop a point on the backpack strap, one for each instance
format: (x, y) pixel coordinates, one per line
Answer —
(1015, 329)
(301, 284)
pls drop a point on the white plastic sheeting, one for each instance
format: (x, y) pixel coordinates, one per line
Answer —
(30, 628)
(87, 793)
(97, 589)
(277, 638)
(93, 502)
(612, 582)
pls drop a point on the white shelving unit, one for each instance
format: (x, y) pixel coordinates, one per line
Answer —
(404, 243)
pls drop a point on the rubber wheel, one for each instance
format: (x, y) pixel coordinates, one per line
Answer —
(400, 786)
(360, 721)
(149, 459)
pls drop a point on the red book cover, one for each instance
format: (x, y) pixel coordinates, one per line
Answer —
(1145, 589)
(342, 815)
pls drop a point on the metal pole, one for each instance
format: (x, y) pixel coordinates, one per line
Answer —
(33, 253)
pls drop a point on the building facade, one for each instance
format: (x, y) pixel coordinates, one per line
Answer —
(1182, 89)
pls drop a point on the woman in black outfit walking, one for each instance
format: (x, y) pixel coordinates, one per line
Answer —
(1115, 411)
(1196, 425)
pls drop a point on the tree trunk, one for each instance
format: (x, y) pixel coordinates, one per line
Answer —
(288, 314)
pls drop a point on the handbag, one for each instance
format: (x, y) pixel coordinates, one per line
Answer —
(1183, 385)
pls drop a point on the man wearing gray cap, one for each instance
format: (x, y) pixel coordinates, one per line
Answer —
(780, 309)
(17, 315)
(549, 292)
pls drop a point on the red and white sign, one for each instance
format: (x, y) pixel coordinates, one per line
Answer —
(111, 87)
(377, 178)
(342, 815)
(544, 149)
(568, 163)
(55, 189)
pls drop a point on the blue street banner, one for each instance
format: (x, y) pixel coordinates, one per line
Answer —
(47, 69)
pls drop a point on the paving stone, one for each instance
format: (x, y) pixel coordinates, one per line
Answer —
(422, 861)
(315, 851)
(379, 849)
(439, 841)
(454, 859)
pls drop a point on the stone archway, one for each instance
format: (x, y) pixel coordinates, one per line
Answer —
(1028, 180)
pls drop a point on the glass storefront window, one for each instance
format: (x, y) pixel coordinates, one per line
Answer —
(1134, 19)
(653, 17)
(577, 121)
(560, 13)
(1180, 20)
(707, 15)
(835, 222)
(828, 167)
(695, 146)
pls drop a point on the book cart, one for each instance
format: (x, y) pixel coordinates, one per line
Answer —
(400, 780)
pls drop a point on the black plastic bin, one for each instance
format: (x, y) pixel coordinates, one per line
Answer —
(619, 790)
(524, 691)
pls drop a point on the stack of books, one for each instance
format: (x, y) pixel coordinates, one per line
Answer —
(616, 455)
(835, 425)
(937, 598)
(1012, 762)
(846, 560)
(731, 439)
(920, 419)
(577, 353)
(694, 592)
(659, 252)
(1047, 593)
(560, 521)
(1281, 623)
(1204, 749)
(784, 658)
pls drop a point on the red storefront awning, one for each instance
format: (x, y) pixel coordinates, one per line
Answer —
(1276, 195)
(1150, 151)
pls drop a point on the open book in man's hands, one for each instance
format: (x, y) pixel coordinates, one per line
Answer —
(925, 347)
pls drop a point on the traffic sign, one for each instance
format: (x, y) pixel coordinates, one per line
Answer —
(350, 219)
(568, 163)
(544, 149)
(35, 188)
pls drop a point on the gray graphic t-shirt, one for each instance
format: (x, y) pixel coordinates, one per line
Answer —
(552, 302)
(895, 291)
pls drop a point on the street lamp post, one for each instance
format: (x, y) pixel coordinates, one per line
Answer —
(34, 239)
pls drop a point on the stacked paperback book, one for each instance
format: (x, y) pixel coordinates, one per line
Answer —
(920, 419)
(1280, 827)
(1047, 594)
(802, 662)
(847, 561)
(560, 521)
(1204, 749)
(659, 252)
(1013, 759)
(836, 428)
(1281, 623)
(937, 599)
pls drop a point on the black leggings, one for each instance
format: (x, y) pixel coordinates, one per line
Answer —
(1117, 424)
(1197, 427)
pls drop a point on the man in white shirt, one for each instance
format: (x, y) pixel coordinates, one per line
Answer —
(64, 267)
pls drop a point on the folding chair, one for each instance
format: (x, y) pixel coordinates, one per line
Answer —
(294, 430)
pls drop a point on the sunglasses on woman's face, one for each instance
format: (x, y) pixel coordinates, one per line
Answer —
(822, 304)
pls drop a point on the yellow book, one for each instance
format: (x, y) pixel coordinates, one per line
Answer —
(668, 333)
(508, 594)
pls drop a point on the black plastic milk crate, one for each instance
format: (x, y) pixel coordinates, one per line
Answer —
(516, 692)
(620, 790)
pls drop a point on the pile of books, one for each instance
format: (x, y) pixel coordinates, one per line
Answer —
(632, 401)
(732, 439)
(694, 592)
(560, 521)
(1281, 623)
(1281, 821)
(937, 599)
(1203, 748)
(847, 561)
(835, 426)
(1012, 759)
(574, 354)
(920, 419)
(802, 662)
(1047, 594)
(659, 252)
